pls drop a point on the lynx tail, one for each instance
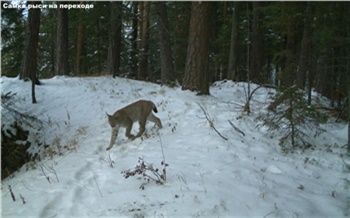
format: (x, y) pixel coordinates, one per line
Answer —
(155, 109)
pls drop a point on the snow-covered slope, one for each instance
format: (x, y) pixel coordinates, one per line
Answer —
(207, 175)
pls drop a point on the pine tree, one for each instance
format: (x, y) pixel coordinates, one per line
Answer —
(290, 113)
(166, 59)
(115, 38)
(144, 40)
(62, 67)
(29, 65)
(80, 67)
(233, 57)
(197, 65)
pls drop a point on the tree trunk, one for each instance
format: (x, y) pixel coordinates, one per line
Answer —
(348, 109)
(80, 50)
(62, 67)
(197, 65)
(29, 65)
(181, 30)
(134, 39)
(53, 35)
(80, 66)
(115, 38)
(305, 52)
(257, 45)
(288, 76)
(347, 71)
(232, 62)
(144, 38)
(166, 59)
(311, 78)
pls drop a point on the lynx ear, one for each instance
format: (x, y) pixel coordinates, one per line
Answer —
(108, 115)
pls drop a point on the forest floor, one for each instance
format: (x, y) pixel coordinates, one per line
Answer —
(208, 176)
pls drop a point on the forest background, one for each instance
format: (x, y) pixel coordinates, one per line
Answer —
(279, 44)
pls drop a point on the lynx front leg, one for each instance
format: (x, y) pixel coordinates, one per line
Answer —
(114, 136)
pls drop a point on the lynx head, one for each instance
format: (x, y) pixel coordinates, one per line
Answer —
(112, 120)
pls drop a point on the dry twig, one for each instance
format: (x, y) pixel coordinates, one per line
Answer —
(236, 128)
(211, 122)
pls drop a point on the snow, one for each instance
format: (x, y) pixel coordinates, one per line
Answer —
(207, 176)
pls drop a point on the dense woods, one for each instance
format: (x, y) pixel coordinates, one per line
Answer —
(195, 43)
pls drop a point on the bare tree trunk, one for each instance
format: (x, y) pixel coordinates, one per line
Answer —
(144, 38)
(197, 65)
(80, 50)
(62, 67)
(288, 77)
(134, 39)
(232, 62)
(29, 65)
(80, 68)
(348, 109)
(257, 45)
(53, 34)
(305, 53)
(348, 78)
(166, 59)
(115, 38)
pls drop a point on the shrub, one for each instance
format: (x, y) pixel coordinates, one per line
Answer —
(147, 172)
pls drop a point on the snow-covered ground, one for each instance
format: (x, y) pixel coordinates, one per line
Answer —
(207, 176)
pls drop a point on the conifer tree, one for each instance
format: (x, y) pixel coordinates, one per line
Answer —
(197, 65)
(29, 64)
(290, 113)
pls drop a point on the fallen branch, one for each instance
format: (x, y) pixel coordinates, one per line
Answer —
(98, 187)
(236, 128)
(250, 96)
(163, 162)
(108, 160)
(50, 169)
(12, 195)
(23, 200)
(211, 122)
(347, 166)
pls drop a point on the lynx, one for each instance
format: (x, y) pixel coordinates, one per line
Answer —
(140, 111)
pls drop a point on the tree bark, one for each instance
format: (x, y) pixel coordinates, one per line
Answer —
(115, 38)
(305, 52)
(134, 51)
(232, 62)
(257, 45)
(166, 59)
(197, 65)
(144, 38)
(348, 110)
(79, 64)
(62, 66)
(288, 77)
(29, 64)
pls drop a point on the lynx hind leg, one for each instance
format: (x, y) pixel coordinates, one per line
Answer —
(155, 119)
(114, 136)
(142, 128)
(128, 130)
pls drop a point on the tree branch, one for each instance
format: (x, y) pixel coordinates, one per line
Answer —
(236, 128)
(211, 122)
